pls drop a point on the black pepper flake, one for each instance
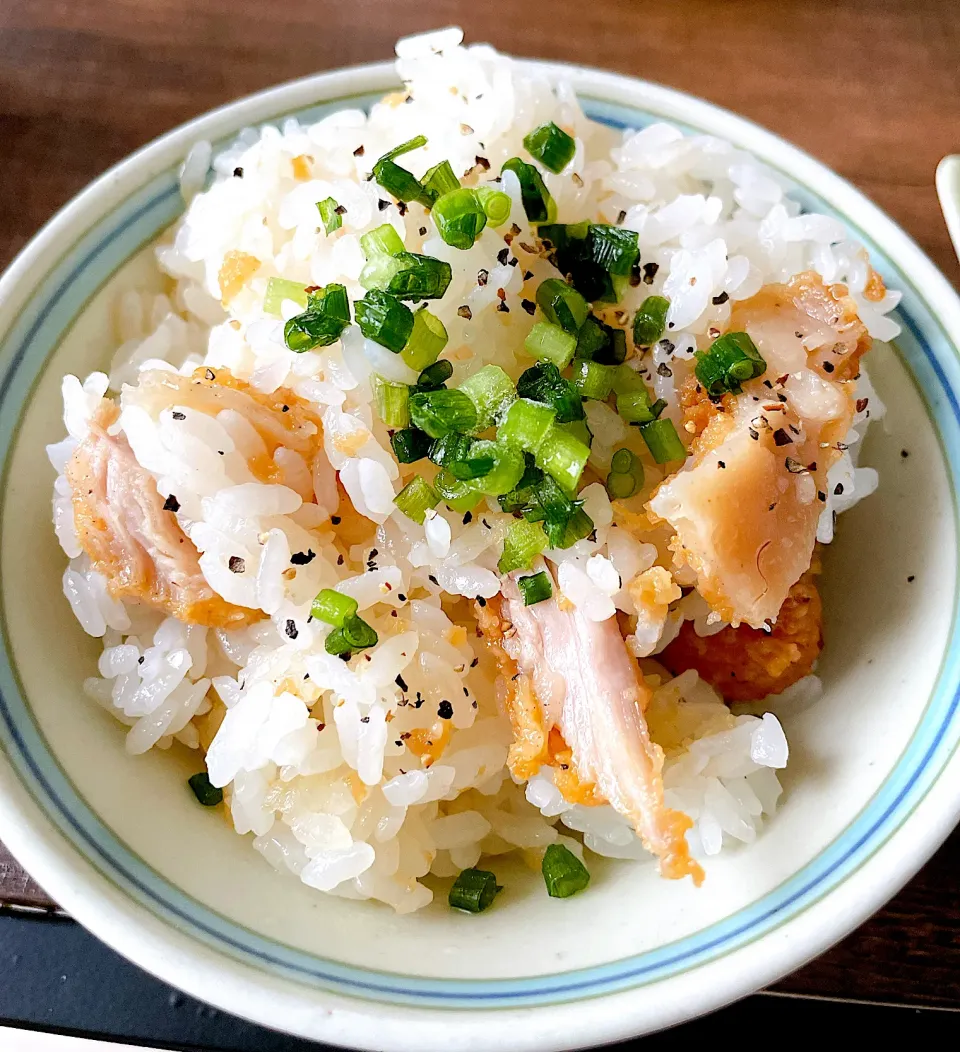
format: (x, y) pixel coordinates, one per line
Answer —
(285, 409)
(398, 742)
(513, 261)
(666, 346)
(467, 518)
(795, 430)
(502, 307)
(821, 496)
(419, 701)
(812, 466)
(664, 370)
(502, 256)
(177, 415)
(781, 380)
(474, 704)
(910, 580)
(527, 275)
(481, 602)
(358, 152)
(445, 710)
(402, 207)
(335, 520)
(345, 657)
(475, 662)
(235, 564)
(364, 719)
(721, 465)
(483, 162)
(781, 397)
(140, 660)
(433, 580)
(904, 453)
(650, 272)
(781, 438)
(482, 277)
(171, 504)
(766, 383)
(794, 466)
(529, 306)
(722, 298)
(340, 560)
(828, 367)
(485, 524)
(862, 404)
(340, 210)
(402, 684)
(238, 173)
(383, 205)
(401, 597)
(423, 231)
(621, 216)
(302, 558)
(210, 374)
(466, 692)
(838, 489)
(755, 435)
(465, 312)
(290, 628)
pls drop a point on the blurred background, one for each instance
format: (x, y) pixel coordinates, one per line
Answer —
(870, 87)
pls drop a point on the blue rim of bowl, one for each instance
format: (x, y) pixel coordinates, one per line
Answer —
(60, 297)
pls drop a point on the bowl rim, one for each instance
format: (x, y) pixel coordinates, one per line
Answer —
(179, 959)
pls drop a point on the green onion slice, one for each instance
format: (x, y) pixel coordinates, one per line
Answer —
(550, 343)
(415, 499)
(440, 412)
(613, 248)
(392, 402)
(506, 469)
(523, 543)
(593, 380)
(492, 392)
(434, 376)
(322, 323)
(650, 320)
(526, 424)
(634, 407)
(460, 217)
(331, 214)
(427, 340)
(207, 794)
(562, 305)
(459, 495)
(440, 179)
(353, 634)
(551, 146)
(543, 383)
(473, 891)
(382, 241)
(472, 468)
(450, 448)
(280, 289)
(384, 319)
(732, 359)
(333, 607)
(397, 181)
(410, 445)
(419, 277)
(663, 441)
(626, 475)
(535, 588)
(495, 203)
(563, 873)
(563, 457)
(539, 206)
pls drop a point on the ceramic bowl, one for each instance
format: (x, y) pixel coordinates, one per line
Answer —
(873, 786)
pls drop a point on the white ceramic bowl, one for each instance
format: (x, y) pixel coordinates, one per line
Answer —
(872, 789)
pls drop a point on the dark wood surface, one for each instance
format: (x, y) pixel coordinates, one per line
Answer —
(871, 87)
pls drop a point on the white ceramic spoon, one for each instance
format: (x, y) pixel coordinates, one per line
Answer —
(948, 190)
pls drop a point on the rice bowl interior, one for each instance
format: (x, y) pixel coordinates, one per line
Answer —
(383, 776)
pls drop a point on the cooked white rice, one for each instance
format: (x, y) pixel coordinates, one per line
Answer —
(313, 752)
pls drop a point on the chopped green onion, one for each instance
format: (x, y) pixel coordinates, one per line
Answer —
(731, 360)
(576, 527)
(440, 412)
(564, 457)
(410, 444)
(397, 181)
(322, 323)
(495, 203)
(548, 503)
(523, 493)
(663, 441)
(543, 383)
(613, 248)
(579, 430)
(593, 380)
(434, 376)
(591, 337)
(563, 873)
(419, 277)
(505, 471)
(331, 214)
(626, 475)
(208, 795)
(427, 340)
(333, 607)
(574, 257)
(383, 241)
(538, 205)
(523, 543)
(650, 320)
(460, 217)
(440, 179)
(457, 494)
(353, 634)
(536, 588)
(626, 379)
(385, 320)
(634, 406)
(415, 499)
(562, 305)
(492, 391)
(379, 271)
(614, 351)
(473, 891)
(471, 469)
(391, 399)
(548, 342)
(526, 424)
(278, 290)
(450, 448)
(551, 146)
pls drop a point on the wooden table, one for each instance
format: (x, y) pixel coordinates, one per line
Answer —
(871, 87)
